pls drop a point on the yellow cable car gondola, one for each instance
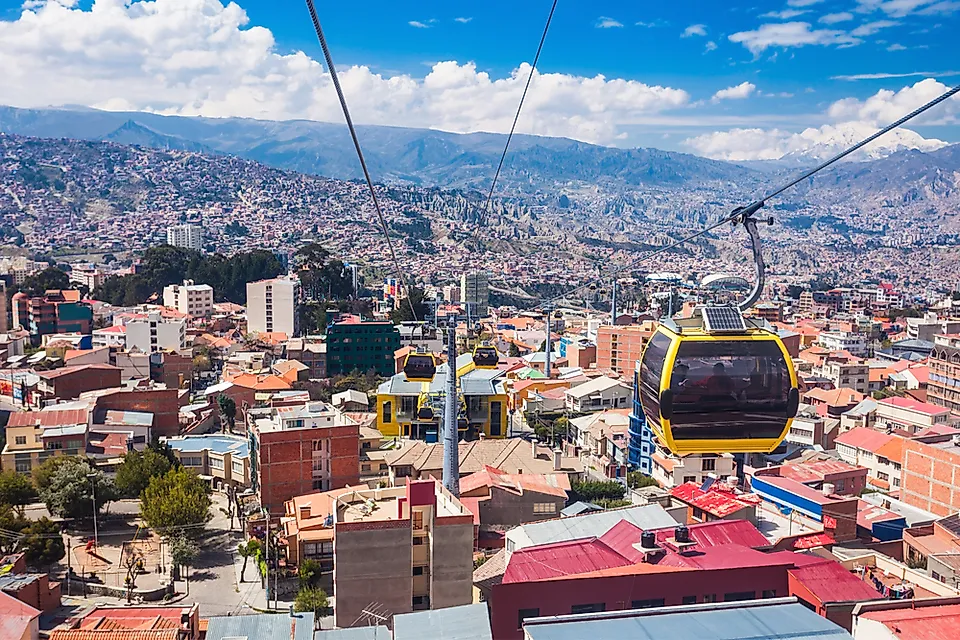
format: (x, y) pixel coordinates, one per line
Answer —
(420, 367)
(718, 383)
(486, 357)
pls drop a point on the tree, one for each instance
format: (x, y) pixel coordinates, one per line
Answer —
(248, 549)
(177, 499)
(16, 490)
(183, 551)
(552, 432)
(49, 278)
(43, 474)
(403, 313)
(513, 351)
(311, 600)
(309, 573)
(134, 473)
(72, 488)
(638, 480)
(228, 409)
(594, 490)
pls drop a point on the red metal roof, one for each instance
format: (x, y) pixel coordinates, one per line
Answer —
(15, 617)
(721, 532)
(920, 623)
(864, 438)
(813, 540)
(828, 581)
(549, 561)
(717, 503)
(914, 405)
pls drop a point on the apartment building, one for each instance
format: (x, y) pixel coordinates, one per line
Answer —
(356, 344)
(188, 236)
(619, 347)
(190, 299)
(672, 471)
(930, 326)
(882, 454)
(302, 448)
(55, 312)
(86, 275)
(272, 306)
(851, 374)
(223, 458)
(931, 476)
(907, 414)
(598, 394)
(943, 387)
(152, 329)
(854, 343)
(310, 353)
(475, 288)
(407, 548)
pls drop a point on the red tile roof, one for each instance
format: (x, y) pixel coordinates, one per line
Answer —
(864, 438)
(920, 623)
(554, 484)
(828, 581)
(115, 634)
(835, 397)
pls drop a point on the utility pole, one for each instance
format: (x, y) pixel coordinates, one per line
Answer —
(548, 311)
(451, 452)
(613, 304)
(93, 489)
(267, 557)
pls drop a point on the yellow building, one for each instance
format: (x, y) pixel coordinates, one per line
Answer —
(414, 409)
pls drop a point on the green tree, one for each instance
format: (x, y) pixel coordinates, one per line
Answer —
(311, 601)
(309, 573)
(248, 549)
(638, 480)
(177, 499)
(45, 472)
(228, 409)
(71, 490)
(513, 351)
(134, 473)
(13, 522)
(183, 551)
(42, 542)
(552, 431)
(594, 490)
(49, 278)
(403, 313)
(16, 490)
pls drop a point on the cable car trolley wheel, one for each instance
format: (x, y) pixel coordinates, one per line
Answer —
(718, 383)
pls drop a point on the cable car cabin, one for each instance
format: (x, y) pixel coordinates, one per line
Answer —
(420, 367)
(718, 383)
(486, 357)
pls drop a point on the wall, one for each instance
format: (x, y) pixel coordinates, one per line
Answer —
(69, 386)
(930, 477)
(372, 568)
(164, 404)
(451, 562)
(509, 509)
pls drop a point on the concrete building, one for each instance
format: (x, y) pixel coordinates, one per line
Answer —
(34, 589)
(503, 500)
(406, 548)
(598, 394)
(272, 306)
(930, 326)
(312, 354)
(809, 429)
(57, 311)
(853, 343)
(194, 300)
(153, 329)
(881, 453)
(907, 414)
(355, 344)
(188, 236)
(302, 448)
(223, 458)
(943, 387)
(936, 548)
(846, 373)
(670, 470)
(475, 288)
(619, 347)
(86, 275)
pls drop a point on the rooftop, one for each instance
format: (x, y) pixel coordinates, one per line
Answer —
(218, 443)
(919, 623)
(651, 516)
(914, 405)
(828, 581)
(466, 622)
(864, 438)
(299, 626)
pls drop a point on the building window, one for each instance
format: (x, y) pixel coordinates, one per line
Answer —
(647, 604)
(896, 482)
(710, 597)
(20, 440)
(698, 513)
(421, 601)
(417, 518)
(387, 412)
(689, 478)
(365, 468)
(689, 600)
(23, 466)
(769, 593)
(544, 507)
(419, 541)
(709, 464)
(418, 571)
(883, 476)
(737, 596)
(595, 607)
(496, 426)
(523, 614)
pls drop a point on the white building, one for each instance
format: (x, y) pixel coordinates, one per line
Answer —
(850, 375)
(928, 326)
(598, 394)
(854, 343)
(671, 471)
(272, 306)
(880, 453)
(910, 415)
(86, 275)
(115, 336)
(154, 329)
(188, 236)
(194, 300)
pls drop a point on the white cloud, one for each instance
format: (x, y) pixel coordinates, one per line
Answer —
(885, 76)
(710, 46)
(417, 24)
(694, 30)
(896, 47)
(200, 57)
(803, 3)
(902, 8)
(462, 20)
(786, 14)
(603, 22)
(834, 18)
(739, 92)
(790, 34)
(852, 120)
(871, 28)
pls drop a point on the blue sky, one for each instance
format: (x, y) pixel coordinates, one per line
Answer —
(786, 65)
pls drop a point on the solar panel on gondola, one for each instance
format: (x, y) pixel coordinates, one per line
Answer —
(722, 319)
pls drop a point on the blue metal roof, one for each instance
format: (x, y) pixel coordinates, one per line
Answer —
(467, 622)
(218, 443)
(261, 625)
(771, 620)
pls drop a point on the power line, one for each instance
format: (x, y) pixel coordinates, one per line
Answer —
(356, 144)
(752, 208)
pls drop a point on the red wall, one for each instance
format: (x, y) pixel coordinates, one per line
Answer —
(164, 404)
(556, 597)
(69, 386)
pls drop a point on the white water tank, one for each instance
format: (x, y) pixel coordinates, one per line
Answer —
(828, 489)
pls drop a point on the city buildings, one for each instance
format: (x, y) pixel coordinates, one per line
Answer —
(57, 311)
(151, 329)
(880, 453)
(912, 416)
(86, 275)
(224, 458)
(302, 448)
(190, 299)
(188, 236)
(620, 347)
(33, 589)
(272, 306)
(598, 394)
(854, 343)
(311, 353)
(670, 470)
(475, 288)
(943, 388)
(67, 383)
(931, 475)
(929, 326)
(354, 344)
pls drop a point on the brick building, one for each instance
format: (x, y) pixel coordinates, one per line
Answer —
(67, 383)
(164, 404)
(302, 448)
(619, 348)
(931, 476)
(34, 589)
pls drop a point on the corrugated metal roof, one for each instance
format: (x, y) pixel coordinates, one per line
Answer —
(355, 633)
(830, 582)
(594, 525)
(920, 623)
(261, 625)
(115, 634)
(699, 622)
(467, 622)
(571, 558)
